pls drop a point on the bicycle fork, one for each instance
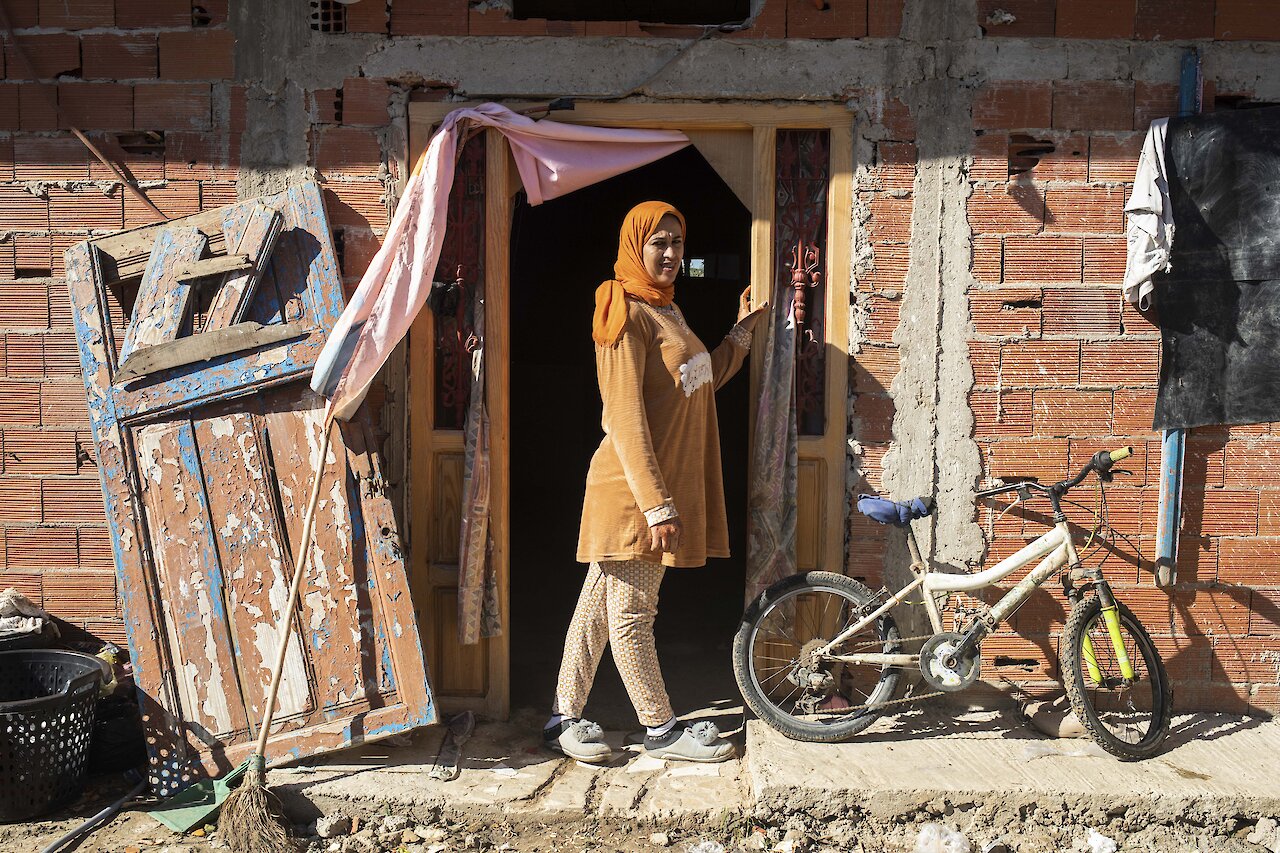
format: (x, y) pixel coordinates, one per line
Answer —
(1111, 616)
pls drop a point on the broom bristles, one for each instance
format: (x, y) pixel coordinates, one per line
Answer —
(252, 821)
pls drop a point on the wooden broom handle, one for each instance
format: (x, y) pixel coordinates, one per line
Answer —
(304, 550)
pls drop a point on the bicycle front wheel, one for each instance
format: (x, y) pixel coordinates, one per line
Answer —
(782, 674)
(1126, 713)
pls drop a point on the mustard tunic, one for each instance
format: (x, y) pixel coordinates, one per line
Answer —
(661, 444)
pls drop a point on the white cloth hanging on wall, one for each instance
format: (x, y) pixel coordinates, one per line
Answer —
(1149, 214)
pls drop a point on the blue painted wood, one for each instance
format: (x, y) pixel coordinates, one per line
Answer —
(193, 483)
(1173, 444)
(163, 299)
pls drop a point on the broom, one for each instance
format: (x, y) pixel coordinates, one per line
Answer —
(252, 820)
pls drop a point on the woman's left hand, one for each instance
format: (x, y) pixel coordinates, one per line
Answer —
(749, 313)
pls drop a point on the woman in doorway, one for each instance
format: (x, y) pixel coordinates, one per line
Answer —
(654, 495)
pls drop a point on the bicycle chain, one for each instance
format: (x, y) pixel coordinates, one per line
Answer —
(905, 700)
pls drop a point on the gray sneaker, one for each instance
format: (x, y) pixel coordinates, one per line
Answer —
(581, 740)
(700, 742)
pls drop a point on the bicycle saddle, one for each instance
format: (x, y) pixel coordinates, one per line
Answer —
(900, 513)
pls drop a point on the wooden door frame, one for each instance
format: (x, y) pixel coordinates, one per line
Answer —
(502, 183)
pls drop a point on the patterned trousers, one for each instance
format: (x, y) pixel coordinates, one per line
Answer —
(618, 605)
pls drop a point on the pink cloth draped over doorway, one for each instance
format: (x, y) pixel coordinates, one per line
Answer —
(552, 158)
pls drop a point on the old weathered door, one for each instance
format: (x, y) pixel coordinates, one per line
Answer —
(196, 339)
(792, 167)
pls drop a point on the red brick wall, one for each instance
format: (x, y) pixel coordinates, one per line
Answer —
(1061, 367)
(149, 81)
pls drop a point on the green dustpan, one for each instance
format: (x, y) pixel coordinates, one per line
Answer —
(198, 804)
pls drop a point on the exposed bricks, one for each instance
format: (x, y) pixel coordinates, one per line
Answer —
(24, 305)
(1093, 105)
(1002, 413)
(367, 17)
(1095, 19)
(1013, 105)
(1114, 159)
(990, 157)
(34, 451)
(429, 17)
(1039, 363)
(49, 55)
(1174, 19)
(349, 151)
(1152, 101)
(1104, 260)
(1068, 161)
(1081, 311)
(890, 218)
(1096, 210)
(86, 208)
(1006, 312)
(1042, 258)
(1246, 19)
(1070, 412)
(37, 106)
(839, 19)
(1120, 363)
(988, 258)
(175, 199)
(119, 57)
(70, 501)
(201, 156)
(77, 14)
(140, 14)
(874, 368)
(80, 594)
(63, 404)
(1011, 209)
(1044, 458)
(1251, 463)
(364, 101)
(44, 158)
(21, 209)
(202, 54)
(884, 18)
(1134, 411)
(896, 163)
(356, 203)
(172, 106)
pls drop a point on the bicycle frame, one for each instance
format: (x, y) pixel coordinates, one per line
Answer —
(1054, 550)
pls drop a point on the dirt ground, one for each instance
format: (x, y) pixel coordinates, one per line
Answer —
(135, 832)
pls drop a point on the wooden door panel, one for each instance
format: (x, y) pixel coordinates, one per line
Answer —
(256, 570)
(446, 520)
(205, 464)
(810, 514)
(463, 670)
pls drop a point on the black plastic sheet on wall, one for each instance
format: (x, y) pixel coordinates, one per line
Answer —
(1220, 304)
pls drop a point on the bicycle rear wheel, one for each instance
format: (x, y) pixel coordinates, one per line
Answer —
(783, 679)
(1128, 717)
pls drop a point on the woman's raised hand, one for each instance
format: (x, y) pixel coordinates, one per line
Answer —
(749, 312)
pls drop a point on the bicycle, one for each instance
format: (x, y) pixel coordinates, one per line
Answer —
(819, 657)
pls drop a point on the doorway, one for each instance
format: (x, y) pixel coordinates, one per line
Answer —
(560, 252)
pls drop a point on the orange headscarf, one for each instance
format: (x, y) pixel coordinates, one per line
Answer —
(630, 275)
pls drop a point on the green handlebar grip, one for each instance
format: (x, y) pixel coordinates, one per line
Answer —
(1121, 453)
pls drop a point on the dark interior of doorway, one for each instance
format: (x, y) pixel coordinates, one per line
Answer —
(560, 252)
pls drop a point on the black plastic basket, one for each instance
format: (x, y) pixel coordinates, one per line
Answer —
(47, 703)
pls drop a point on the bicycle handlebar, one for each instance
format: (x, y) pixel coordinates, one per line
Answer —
(1102, 462)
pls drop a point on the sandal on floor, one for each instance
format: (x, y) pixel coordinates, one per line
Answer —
(700, 742)
(581, 740)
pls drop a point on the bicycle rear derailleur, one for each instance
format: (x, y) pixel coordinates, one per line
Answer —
(813, 676)
(942, 669)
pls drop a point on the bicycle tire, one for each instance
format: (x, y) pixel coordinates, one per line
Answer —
(744, 658)
(1084, 694)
